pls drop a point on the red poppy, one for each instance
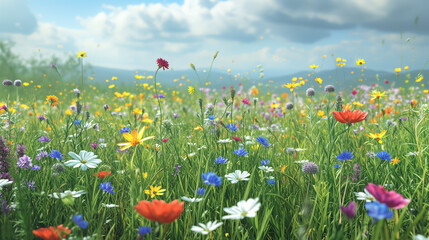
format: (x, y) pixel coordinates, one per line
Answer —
(350, 117)
(391, 198)
(237, 139)
(354, 92)
(102, 174)
(159, 210)
(223, 87)
(386, 81)
(164, 140)
(52, 233)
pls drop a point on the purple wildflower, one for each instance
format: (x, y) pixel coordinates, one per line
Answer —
(44, 139)
(177, 167)
(20, 150)
(4, 162)
(24, 162)
(35, 167)
(94, 145)
(350, 210)
(41, 155)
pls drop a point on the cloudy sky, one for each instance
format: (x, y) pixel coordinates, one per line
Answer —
(284, 36)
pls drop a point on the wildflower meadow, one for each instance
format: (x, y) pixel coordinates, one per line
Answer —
(246, 160)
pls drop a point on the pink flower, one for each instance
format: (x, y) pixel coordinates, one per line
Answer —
(162, 63)
(354, 92)
(237, 139)
(392, 199)
(245, 101)
(165, 140)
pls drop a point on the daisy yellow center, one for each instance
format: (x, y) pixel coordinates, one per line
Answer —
(243, 213)
(83, 161)
(239, 178)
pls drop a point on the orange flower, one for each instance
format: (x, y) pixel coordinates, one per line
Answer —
(52, 233)
(350, 117)
(52, 100)
(159, 210)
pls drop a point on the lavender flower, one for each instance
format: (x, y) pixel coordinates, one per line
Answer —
(24, 162)
(35, 167)
(20, 150)
(44, 139)
(177, 167)
(4, 160)
(41, 155)
(356, 174)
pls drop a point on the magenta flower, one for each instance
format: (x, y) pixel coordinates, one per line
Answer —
(162, 63)
(392, 199)
(350, 210)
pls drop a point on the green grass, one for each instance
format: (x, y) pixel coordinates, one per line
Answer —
(297, 206)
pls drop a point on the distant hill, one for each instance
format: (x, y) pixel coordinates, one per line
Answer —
(218, 79)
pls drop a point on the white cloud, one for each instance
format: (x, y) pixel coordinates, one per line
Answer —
(135, 35)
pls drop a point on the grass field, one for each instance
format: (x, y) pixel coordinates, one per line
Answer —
(291, 163)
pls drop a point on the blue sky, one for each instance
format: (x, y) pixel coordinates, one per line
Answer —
(284, 36)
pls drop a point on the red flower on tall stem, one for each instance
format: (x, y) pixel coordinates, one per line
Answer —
(350, 117)
(159, 210)
(162, 63)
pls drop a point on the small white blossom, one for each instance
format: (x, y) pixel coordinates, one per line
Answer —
(243, 209)
(206, 228)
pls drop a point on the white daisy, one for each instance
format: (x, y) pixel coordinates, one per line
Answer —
(237, 176)
(73, 194)
(4, 182)
(84, 160)
(206, 228)
(243, 209)
(266, 169)
(364, 196)
(224, 140)
(186, 199)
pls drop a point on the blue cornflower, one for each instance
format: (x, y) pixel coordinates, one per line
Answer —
(125, 130)
(77, 122)
(35, 167)
(201, 191)
(271, 182)
(265, 162)
(263, 141)
(378, 210)
(78, 219)
(161, 95)
(232, 127)
(144, 230)
(337, 166)
(107, 187)
(345, 156)
(210, 178)
(211, 117)
(240, 151)
(221, 160)
(384, 155)
(56, 154)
